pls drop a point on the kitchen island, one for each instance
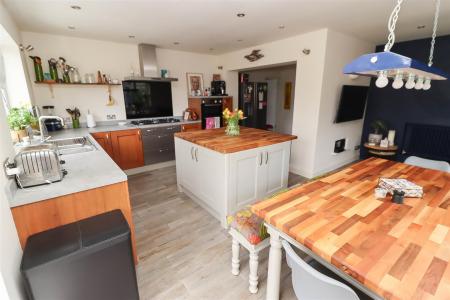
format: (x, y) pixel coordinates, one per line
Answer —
(225, 173)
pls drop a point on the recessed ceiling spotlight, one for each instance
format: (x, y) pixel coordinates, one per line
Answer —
(71, 27)
(239, 40)
(281, 27)
(76, 7)
(131, 36)
(240, 15)
(176, 43)
(421, 27)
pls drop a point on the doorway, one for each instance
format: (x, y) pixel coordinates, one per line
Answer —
(266, 96)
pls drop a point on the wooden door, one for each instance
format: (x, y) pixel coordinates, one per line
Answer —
(127, 148)
(104, 139)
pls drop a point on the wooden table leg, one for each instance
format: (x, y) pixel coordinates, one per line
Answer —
(273, 273)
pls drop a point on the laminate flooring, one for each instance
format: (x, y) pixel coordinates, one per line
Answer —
(183, 251)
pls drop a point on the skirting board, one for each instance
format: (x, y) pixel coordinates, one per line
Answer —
(150, 168)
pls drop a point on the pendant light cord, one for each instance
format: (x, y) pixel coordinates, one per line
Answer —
(433, 36)
(391, 26)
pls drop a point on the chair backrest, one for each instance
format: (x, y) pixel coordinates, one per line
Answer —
(310, 284)
(428, 163)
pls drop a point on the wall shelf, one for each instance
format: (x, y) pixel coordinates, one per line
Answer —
(108, 85)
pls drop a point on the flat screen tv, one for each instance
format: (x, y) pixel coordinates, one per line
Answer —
(147, 99)
(352, 103)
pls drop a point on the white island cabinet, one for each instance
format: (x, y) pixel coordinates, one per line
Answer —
(223, 183)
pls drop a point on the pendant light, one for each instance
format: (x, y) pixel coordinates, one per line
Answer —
(387, 64)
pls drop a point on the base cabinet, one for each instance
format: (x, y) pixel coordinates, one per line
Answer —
(124, 147)
(225, 183)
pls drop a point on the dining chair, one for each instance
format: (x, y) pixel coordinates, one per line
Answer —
(310, 284)
(428, 163)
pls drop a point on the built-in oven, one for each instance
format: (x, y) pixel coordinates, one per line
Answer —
(211, 113)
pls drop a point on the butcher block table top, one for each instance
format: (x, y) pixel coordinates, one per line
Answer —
(215, 139)
(399, 251)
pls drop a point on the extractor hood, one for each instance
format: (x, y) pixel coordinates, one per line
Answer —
(148, 65)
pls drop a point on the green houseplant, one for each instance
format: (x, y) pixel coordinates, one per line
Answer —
(379, 127)
(18, 119)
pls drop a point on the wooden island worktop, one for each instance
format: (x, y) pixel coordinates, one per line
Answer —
(215, 139)
(225, 173)
(398, 251)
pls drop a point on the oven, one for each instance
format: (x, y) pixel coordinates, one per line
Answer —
(211, 109)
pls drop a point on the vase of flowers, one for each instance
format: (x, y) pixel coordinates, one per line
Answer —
(232, 120)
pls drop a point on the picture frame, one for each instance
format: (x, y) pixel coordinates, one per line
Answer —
(287, 95)
(187, 115)
(194, 84)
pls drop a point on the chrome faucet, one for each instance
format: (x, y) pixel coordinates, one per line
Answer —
(42, 126)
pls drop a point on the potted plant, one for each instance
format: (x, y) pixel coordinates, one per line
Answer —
(75, 115)
(379, 127)
(18, 119)
(232, 119)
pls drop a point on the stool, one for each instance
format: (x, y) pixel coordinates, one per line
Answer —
(248, 231)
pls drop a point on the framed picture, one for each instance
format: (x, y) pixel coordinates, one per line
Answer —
(287, 95)
(195, 84)
(187, 115)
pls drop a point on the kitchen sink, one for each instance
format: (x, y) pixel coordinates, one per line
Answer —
(73, 145)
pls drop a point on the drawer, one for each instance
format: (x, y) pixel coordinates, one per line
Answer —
(159, 140)
(159, 155)
(160, 130)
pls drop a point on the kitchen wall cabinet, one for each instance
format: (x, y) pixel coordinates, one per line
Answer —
(191, 127)
(224, 183)
(194, 103)
(124, 147)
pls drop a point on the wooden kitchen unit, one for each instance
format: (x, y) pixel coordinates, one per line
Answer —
(124, 147)
(195, 103)
(191, 127)
(396, 251)
(47, 214)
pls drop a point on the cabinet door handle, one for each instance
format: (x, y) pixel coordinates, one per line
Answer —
(192, 154)
(196, 157)
(260, 158)
(267, 157)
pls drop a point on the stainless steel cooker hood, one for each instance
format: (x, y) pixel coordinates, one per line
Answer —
(148, 65)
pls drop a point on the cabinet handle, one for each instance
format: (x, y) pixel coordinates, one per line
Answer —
(107, 136)
(192, 154)
(260, 158)
(196, 157)
(267, 157)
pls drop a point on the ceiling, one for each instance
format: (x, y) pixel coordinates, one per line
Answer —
(211, 26)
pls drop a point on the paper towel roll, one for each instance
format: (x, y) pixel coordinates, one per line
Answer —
(90, 120)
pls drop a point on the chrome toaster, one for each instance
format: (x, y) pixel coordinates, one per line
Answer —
(38, 165)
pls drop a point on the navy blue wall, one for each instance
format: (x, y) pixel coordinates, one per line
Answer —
(398, 107)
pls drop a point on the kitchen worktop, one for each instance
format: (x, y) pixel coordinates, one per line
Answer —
(86, 171)
(250, 138)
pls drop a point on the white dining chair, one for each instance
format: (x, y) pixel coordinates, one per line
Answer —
(439, 165)
(310, 284)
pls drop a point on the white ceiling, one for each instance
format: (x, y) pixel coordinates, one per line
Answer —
(199, 25)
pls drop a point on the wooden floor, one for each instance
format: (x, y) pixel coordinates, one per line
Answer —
(183, 251)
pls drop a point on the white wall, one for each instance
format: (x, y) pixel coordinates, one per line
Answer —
(115, 59)
(341, 49)
(10, 251)
(318, 81)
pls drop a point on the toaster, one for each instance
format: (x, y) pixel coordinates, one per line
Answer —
(38, 165)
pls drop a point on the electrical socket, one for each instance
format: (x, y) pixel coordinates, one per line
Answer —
(111, 117)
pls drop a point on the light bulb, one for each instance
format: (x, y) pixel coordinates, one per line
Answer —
(398, 81)
(382, 80)
(410, 83)
(419, 83)
(427, 84)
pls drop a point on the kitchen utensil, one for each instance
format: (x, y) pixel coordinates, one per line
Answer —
(38, 165)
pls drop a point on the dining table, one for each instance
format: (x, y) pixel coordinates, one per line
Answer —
(385, 249)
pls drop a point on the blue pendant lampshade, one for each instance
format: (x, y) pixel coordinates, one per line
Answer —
(392, 64)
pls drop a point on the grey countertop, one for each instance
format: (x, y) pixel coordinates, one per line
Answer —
(86, 171)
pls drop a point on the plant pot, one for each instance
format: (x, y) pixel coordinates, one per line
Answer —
(75, 123)
(232, 128)
(375, 138)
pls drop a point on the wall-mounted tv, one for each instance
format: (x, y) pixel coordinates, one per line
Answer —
(147, 99)
(352, 103)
